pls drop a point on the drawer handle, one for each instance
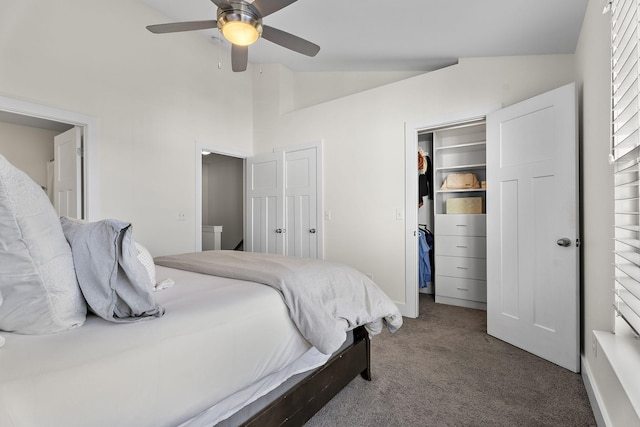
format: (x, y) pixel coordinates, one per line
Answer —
(462, 289)
(460, 246)
(461, 225)
(462, 268)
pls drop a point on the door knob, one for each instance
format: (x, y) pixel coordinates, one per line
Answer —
(278, 230)
(312, 231)
(564, 242)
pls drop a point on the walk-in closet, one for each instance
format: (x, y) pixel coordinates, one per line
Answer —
(452, 213)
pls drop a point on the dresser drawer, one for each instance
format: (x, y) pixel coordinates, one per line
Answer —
(469, 268)
(461, 225)
(464, 246)
(468, 289)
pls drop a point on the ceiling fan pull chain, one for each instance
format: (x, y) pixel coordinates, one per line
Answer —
(219, 43)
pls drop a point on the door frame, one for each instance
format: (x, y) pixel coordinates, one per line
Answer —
(199, 148)
(91, 142)
(410, 307)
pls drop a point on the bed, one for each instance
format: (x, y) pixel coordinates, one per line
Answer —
(231, 342)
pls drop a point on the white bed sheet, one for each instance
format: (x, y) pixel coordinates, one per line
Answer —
(218, 336)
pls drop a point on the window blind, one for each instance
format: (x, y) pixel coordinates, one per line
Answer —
(625, 157)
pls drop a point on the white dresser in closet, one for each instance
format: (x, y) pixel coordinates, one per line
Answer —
(461, 264)
(460, 239)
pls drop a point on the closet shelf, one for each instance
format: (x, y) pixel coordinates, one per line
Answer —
(469, 190)
(480, 145)
(461, 167)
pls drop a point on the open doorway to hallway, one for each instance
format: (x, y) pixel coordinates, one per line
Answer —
(47, 151)
(24, 113)
(222, 201)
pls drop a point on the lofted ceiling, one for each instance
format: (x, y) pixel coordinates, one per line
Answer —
(404, 35)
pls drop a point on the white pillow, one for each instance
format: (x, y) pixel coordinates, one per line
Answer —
(146, 259)
(114, 282)
(37, 278)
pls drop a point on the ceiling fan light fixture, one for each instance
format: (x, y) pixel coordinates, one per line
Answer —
(240, 33)
(241, 26)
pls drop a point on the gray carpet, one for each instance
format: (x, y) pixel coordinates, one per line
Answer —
(442, 369)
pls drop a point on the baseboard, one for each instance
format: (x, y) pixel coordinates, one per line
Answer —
(595, 398)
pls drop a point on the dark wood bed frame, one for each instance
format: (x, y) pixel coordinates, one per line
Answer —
(298, 404)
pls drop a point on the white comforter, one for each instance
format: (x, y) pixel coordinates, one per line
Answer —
(325, 299)
(218, 337)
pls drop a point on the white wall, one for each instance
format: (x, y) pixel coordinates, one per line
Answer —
(364, 144)
(154, 95)
(593, 75)
(313, 88)
(28, 149)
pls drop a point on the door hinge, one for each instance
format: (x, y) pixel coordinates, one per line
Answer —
(79, 152)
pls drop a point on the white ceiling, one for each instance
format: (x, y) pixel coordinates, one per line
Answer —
(404, 35)
(34, 122)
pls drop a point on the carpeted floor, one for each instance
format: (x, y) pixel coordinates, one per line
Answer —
(442, 369)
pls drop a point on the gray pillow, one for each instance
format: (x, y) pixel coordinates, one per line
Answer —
(114, 282)
(37, 278)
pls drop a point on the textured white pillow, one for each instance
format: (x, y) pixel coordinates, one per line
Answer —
(146, 259)
(37, 278)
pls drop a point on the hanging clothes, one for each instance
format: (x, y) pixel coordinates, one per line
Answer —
(425, 242)
(424, 177)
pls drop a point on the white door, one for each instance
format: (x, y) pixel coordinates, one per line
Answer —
(67, 182)
(301, 222)
(264, 206)
(284, 202)
(532, 226)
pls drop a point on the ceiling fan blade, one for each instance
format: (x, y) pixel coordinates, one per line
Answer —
(290, 41)
(239, 57)
(175, 27)
(267, 7)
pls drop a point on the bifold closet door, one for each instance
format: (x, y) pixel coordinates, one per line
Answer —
(264, 205)
(283, 203)
(301, 219)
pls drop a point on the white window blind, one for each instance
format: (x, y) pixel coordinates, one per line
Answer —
(625, 156)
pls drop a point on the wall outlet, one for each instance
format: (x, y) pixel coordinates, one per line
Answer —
(181, 216)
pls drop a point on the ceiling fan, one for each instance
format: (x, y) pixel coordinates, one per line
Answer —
(241, 23)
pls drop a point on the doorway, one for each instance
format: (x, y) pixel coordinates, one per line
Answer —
(222, 202)
(418, 135)
(224, 182)
(27, 112)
